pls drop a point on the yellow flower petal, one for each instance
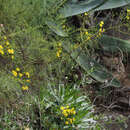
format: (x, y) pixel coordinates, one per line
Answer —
(12, 57)
(10, 51)
(25, 88)
(66, 122)
(62, 108)
(28, 81)
(20, 74)
(85, 13)
(5, 37)
(14, 73)
(27, 74)
(17, 69)
(7, 43)
(1, 47)
(1, 52)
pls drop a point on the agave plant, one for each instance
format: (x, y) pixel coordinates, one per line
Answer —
(75, 7)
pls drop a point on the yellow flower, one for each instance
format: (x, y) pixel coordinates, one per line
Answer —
(5, 37)
(58, 54)
(7, 43)
(20, 74)
(69, 111)
(127, 17)
(74, 112)
(10, 51)
(85, 13)
(70, 120)
(24, 87)
(1, 52)
(128, 10)
(12, 57)
(28, 80)
(65, 113)
(17, 69)
(88, 38)
(99, 34)
(1, 47)
(27, 74)
(72, 109)
(101, 30)
(14, 73)
(73, 119)
(101, 24)
(66, 122)
(62, 108)
(86, 33)
(59, 44)
(67, 106)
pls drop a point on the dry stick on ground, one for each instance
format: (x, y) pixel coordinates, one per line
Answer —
(111, 106)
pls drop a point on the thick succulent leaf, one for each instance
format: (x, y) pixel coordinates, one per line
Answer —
(113, 4)
(112, 44)
(87, 63)
(75, 7)
(55, 28)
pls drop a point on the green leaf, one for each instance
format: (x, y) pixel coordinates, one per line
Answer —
(87, 63)
(112, 44)
(113, 4)
(55, 28)
(73, 8)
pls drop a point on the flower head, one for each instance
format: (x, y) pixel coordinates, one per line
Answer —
(85, 13)
(86, 33)
(28, 81)
(10, 51)
(101, 24)
(12, 57)
(1, 47)
(7, 43)
(17, 69)
(14, 73)
(1, 52)
(20, 74)
(66, 122)
(5, 37)
(128, 10)
(27, 74)
(25, 88)
(62, 108)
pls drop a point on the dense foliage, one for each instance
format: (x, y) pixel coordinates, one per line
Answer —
(47, 59)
